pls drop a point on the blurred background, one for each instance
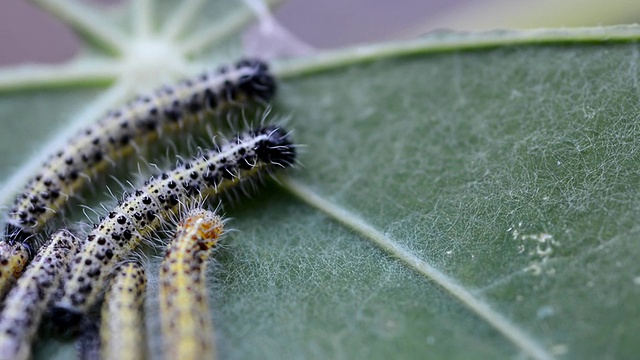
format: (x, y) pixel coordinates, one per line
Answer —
(28, 34)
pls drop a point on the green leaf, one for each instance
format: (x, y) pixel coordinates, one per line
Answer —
(460, 196)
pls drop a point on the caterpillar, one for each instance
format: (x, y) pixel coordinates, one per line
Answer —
(13, 259)
(27, 301)
(187, 332)
(114, 136)
(88, 344)
(249, 155)
(122, 329)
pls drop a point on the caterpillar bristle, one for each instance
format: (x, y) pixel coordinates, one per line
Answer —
(122, 131)
(251, 156)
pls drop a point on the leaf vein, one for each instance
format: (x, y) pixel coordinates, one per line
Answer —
(483, 310)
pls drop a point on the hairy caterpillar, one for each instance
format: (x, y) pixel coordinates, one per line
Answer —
(187, 332)
(249, 155)
(122, 329)
(13, 259)
(114, 136)
(27, 301)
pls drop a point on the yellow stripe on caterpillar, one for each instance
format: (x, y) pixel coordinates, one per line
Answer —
(187, 331)
(13, 259)
(122, 331)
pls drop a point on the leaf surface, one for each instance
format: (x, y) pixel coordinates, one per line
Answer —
(509, 167)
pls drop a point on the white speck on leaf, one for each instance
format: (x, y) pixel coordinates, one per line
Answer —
(545, 312)
(559, 349)
(534, 268)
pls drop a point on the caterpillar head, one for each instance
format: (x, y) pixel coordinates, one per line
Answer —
(277, 148)
(258, 83)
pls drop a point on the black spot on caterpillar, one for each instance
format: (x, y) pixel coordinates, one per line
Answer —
(113, 137)
(187, 332)
(249, 155)
(27, 301)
